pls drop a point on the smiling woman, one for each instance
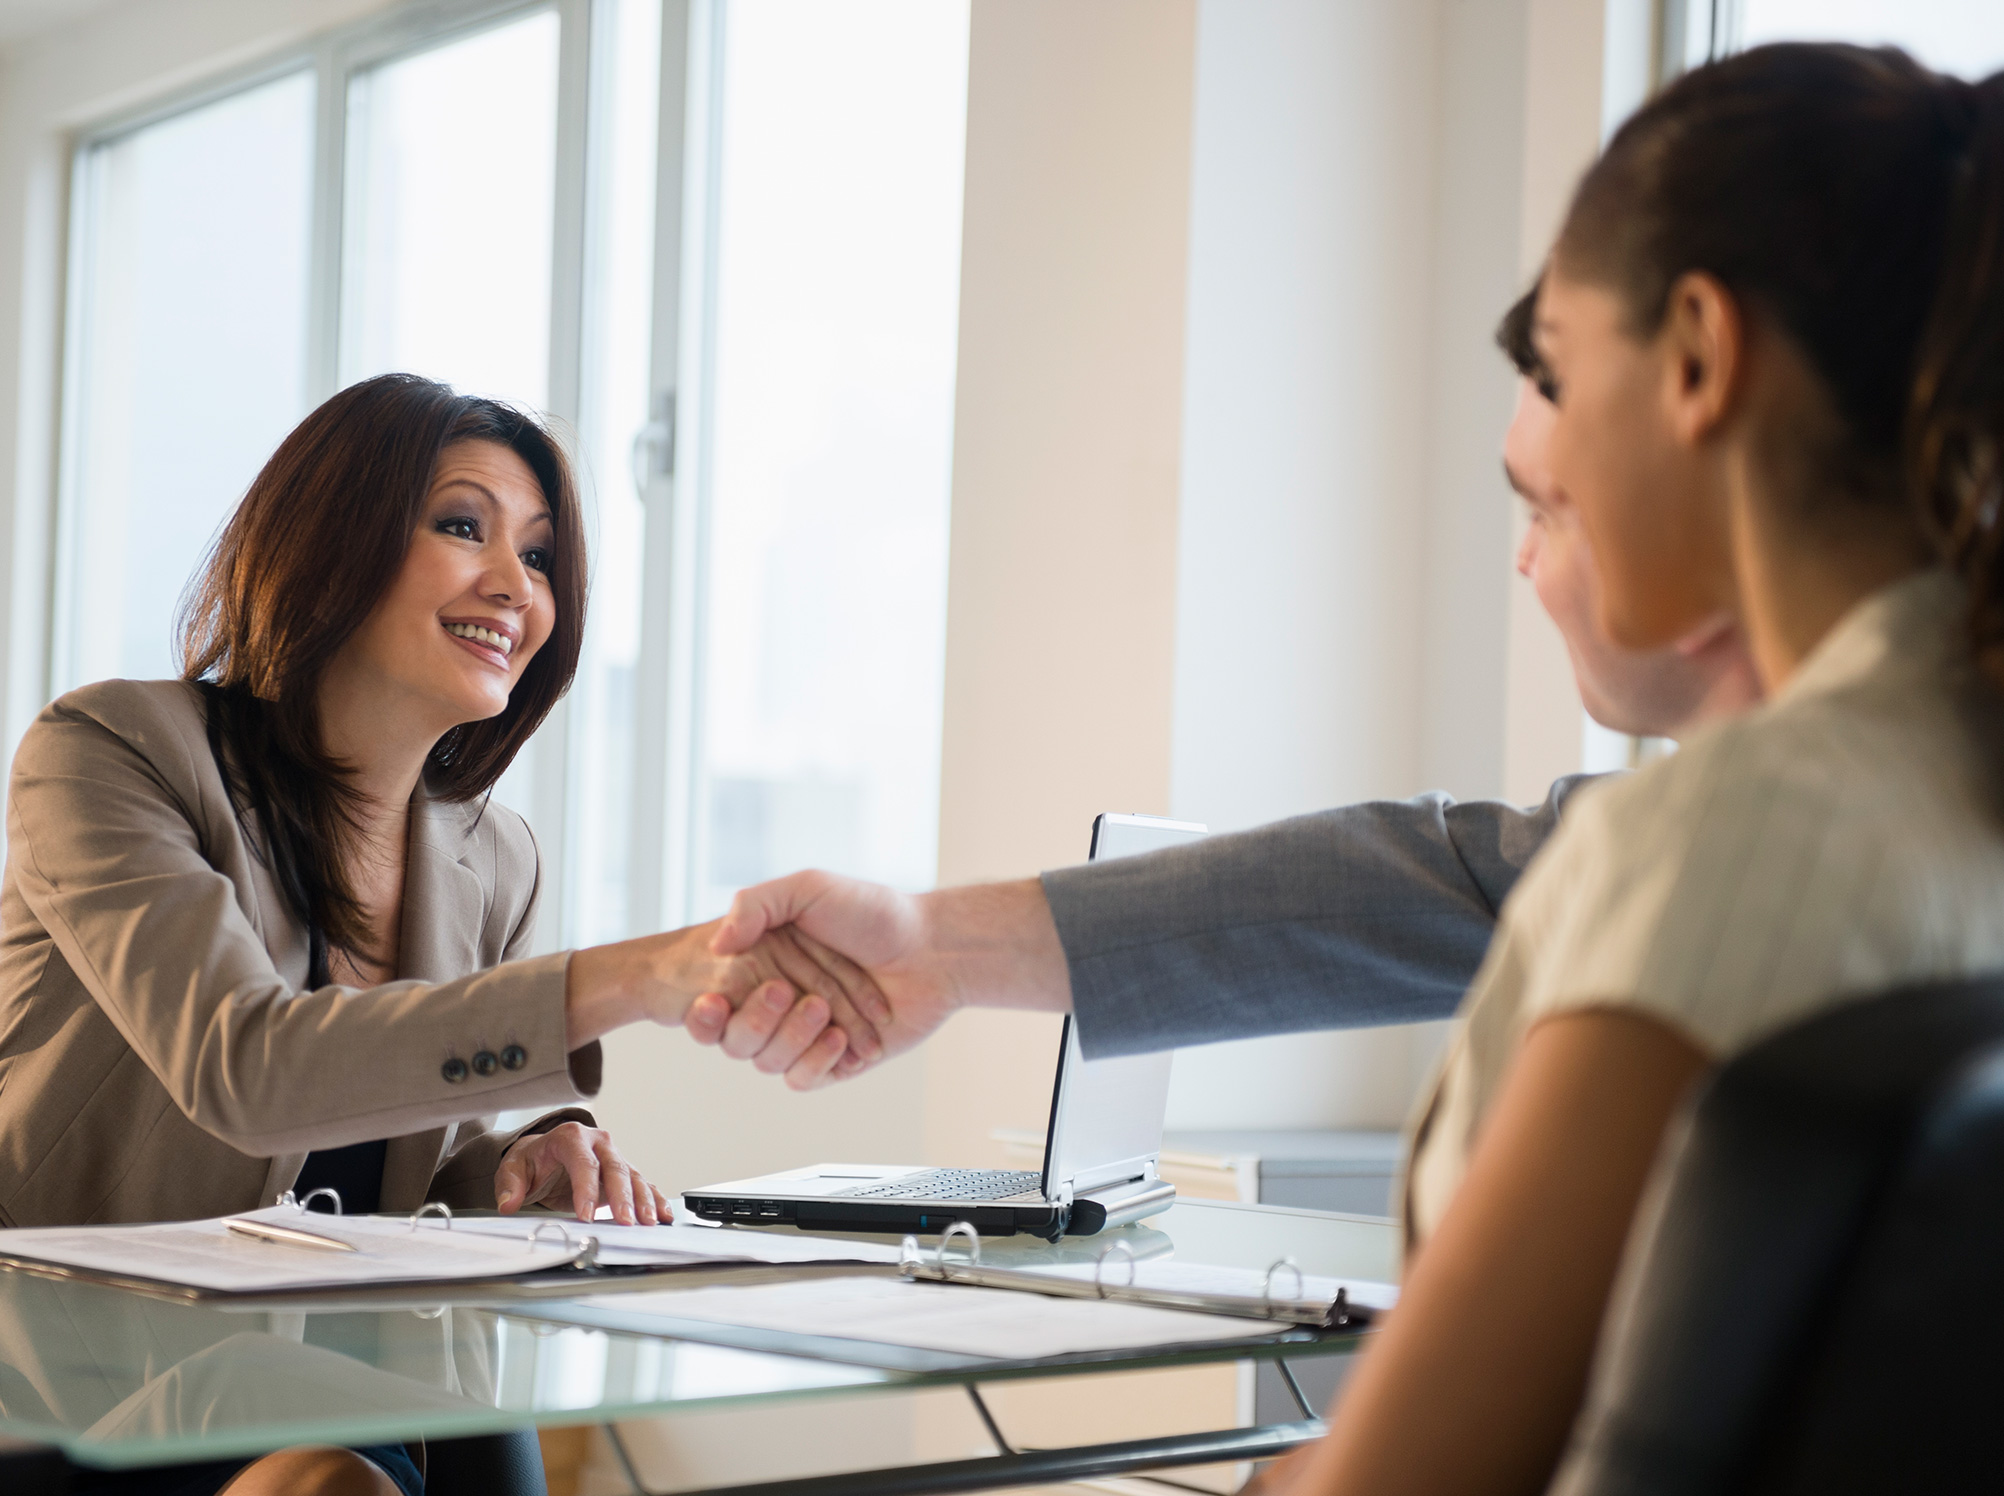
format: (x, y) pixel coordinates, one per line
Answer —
(264, 928)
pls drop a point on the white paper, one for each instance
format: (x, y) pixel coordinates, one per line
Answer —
(990, 1322)
(1222, 1282)
(673, 1246)
(208, 1255)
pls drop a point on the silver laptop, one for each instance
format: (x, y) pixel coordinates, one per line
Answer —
(1100, 1152)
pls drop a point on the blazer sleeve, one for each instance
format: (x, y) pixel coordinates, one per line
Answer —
(108, 856)
(465, 1179)
(1369, 914)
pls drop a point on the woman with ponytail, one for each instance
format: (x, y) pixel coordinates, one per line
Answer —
(264, 928)
(1774, 326)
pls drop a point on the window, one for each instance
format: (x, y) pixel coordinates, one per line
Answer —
(492, 193)
(827, 442)
(448, 226)
(1965, 37)
(599, 825)
(449, 214)
(188, 359)
(238, 259)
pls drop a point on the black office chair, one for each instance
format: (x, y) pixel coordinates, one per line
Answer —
(485, 1465)
(1814, 1298)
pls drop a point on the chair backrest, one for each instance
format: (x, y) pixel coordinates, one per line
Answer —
(1813, 1297)
(508, 1464)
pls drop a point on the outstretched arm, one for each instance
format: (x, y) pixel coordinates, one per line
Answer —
(1372, 913)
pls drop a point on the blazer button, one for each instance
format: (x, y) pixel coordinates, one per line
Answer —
(485, 1063)
(454, 1070)
(514, 1057)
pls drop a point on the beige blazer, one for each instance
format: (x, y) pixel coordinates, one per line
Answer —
(160, 1055)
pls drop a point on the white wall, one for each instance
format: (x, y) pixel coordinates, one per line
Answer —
(1366, 177)
(1564, 65)
(1062, 585)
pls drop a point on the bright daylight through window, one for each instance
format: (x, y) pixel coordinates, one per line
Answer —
(448, 214)
(814, 266)
(1965, 37)
(830, 441)
(188, 359)
(447, 224)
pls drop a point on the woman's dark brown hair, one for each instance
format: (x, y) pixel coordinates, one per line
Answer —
(1856, 200)
(318, 539)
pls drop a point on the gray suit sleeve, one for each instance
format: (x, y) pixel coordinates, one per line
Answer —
(1369, 914)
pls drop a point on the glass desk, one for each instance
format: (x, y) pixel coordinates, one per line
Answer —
(119, 1379)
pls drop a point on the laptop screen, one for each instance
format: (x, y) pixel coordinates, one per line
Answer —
(1106, 1115)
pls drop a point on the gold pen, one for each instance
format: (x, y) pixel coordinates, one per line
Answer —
(287, 1236)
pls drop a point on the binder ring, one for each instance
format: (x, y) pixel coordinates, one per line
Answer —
(587, 1257)
(288, 1198)
(959, 1228)
(1300, 1283)
(909, 1260)
(1099, 1265)
(432, 1207)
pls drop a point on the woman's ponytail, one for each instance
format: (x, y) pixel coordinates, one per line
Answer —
(1955, 424)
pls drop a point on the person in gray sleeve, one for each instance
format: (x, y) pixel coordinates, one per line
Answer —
(1367, 914)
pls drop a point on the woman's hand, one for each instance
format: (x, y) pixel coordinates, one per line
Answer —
(821, 1003)
(922, 957)
(584, 1161)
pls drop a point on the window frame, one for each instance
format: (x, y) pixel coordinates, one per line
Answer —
(671, 466)
(335, 59)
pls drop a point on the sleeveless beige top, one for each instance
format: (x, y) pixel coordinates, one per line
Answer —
(1843, 839)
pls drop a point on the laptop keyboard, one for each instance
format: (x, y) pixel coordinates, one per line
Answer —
(954, 1184)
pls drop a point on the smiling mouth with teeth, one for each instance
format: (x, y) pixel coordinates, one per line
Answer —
(480, 635)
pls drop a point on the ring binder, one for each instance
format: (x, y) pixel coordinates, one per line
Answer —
(286, 1197)
(432, 1207)
(911, 1256)
(587, 1256)
(960, 1228)
(1300, 1283)
(1326, 1303)
(1099, 1265)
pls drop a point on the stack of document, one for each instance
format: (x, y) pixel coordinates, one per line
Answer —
(1281, 1293)
(695, 1246)
(903, 1325)
(946, 1313)
(284, 1250)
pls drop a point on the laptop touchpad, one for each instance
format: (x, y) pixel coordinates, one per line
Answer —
(833, 1179)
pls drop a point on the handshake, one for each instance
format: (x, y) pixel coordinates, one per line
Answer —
(819, 977)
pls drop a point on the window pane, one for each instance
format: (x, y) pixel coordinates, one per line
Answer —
(619, 317)
(189, 361)
(448, 226)
(1965, 37)
(449, 212)
(836, 289)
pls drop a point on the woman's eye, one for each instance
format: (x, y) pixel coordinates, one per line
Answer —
(537, 560)
(462, 528)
